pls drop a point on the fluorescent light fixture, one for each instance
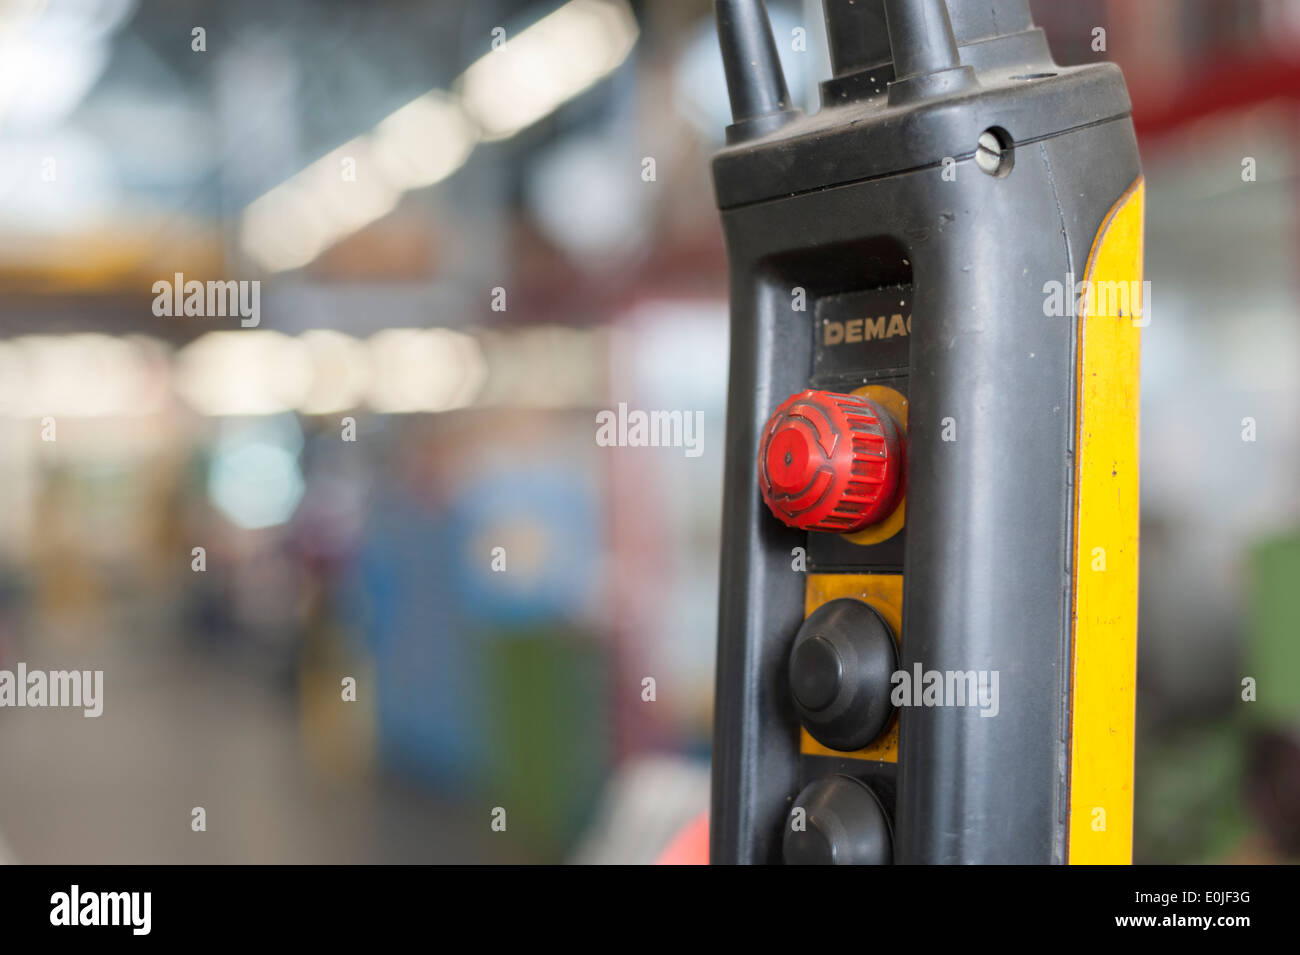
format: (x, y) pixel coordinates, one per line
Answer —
(51, 55)
(546, 366)
(432, 136)
(297, 220)
(341, 373)
(424, 142)
(247, 372)
(546, 65)
(420, 144)
(79, 376)
(417, 369)
(15, 381)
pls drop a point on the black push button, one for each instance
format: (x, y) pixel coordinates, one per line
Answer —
(840, 668)
(837, 820)
(816, 673)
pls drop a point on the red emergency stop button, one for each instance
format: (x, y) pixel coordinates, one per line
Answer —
(830, 462)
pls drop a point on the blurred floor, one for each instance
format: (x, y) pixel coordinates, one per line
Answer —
(176, 733)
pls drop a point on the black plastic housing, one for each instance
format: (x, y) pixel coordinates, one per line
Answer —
(869, 197)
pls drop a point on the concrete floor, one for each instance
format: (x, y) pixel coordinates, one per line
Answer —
(176, 733)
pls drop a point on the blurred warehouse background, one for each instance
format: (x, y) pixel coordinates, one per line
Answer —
(475, 225)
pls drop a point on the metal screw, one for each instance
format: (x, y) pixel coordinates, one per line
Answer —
(992, 156)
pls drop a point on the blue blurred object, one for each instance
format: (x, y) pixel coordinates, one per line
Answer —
(427, 668)
(425, 595)
(545, 521)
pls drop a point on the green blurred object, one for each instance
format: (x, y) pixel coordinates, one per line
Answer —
(1273, 637)
(1188, 806)
(550, 735)
(1192, 788)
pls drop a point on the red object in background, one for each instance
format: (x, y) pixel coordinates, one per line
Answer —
(690, 846)
(830, 462)
(1233, 85)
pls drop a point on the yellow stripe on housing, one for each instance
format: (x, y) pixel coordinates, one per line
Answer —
(884, 592)
(1104, 666)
